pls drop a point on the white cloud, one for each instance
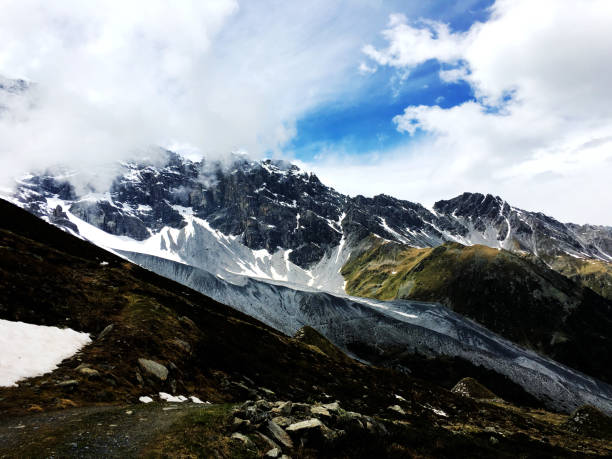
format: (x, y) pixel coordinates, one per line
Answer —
(540, 71)
(409, 46)
(453, 75)
(366, 69)
(115, 77)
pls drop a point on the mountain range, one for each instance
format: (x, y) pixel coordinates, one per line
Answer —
(384, 279)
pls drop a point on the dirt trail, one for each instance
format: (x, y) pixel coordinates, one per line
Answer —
(90, 432)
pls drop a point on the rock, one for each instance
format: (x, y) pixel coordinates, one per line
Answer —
(331, 435)
(283, 408)
(300, 408)
(332, 407)
(106, 331)
(187, 321)
(60, 218)
(397, 409)
(244, 406)
(250, 411)
(494, 441)
(110, 218)
(184, 345)
(587, 420)
(305, 425)
(352, 415)
(244, 439)
(68, 383)
(154, 368)
(320, 411)
(350, 420)
(282, 421)
(268, 392)
(469, 387)
(263, 405)
(243, 389)
(274, 452)
(88, 371)
(240, 424)
(279, 434)
(268, 440)
(374, 427)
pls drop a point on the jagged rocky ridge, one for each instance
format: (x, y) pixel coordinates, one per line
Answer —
(272, 204)
(210, 225)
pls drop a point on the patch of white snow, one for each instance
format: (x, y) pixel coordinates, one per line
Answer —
(32, 350)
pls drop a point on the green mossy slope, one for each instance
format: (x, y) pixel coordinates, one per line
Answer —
(523, 301)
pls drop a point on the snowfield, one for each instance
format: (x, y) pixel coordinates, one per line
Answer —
(28, 350)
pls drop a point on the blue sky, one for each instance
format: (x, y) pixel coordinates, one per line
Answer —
(361, 121)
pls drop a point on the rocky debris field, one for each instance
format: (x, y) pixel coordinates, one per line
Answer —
(283, 429)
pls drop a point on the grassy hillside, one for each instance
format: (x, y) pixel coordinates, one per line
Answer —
(595, 274)
(523, 301)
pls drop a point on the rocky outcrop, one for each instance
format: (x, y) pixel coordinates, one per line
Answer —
(59, 218)
(291, 427)
(469, 387)
(108, 217)
(587, 420)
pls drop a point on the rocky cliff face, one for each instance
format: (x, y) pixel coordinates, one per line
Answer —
(272, 204)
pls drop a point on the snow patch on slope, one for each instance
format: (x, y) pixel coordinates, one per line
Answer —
(200, 245)
(32, 350)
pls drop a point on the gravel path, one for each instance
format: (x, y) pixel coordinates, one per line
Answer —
(90, 432)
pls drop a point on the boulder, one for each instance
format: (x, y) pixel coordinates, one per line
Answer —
(320, 411)
(279, 434)
(86, 370)
(283, 408)
(282, 421)
(332, 407)
(244, 439)
(154, 368)
(305, 425)
(68, 383)
(106, 331)
(274, 452)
